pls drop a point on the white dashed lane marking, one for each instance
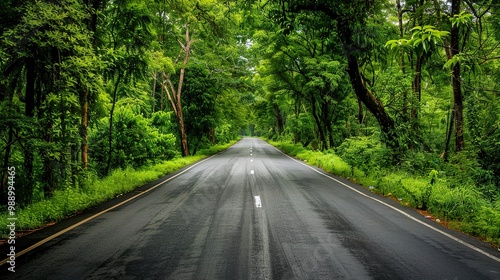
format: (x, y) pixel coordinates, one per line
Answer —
(258, 203)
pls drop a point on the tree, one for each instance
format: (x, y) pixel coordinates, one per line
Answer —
(53, 73)
(174, 94)
(456, 79)
(349, 17)
(126, 38)
(200, 95)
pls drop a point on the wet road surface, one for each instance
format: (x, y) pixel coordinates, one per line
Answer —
(253, 213)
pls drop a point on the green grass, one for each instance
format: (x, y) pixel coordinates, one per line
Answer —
(65, 203)
(462, 207)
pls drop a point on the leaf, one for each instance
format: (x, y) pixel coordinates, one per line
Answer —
(425, 45)
(391, 42)
(451, 62)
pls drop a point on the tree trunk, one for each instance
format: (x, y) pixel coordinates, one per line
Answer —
(182, 129)
(84, 130)
(5, 174)
(366, 96)
(30, 113)
(456, 83)
(110, 137)
(174, 96)
(401, 34)
(48, 163)
(360, 110)
(451, 120)
(322, 136)
(417, 86)
(212, 135)
(279, 118)
(296, 127)
(184, 140)
(153, 94)
(325, 123)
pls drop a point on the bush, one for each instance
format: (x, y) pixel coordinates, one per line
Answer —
(135, 142)
(419, 163)
(486, 224)
(365, 153)
(458, 203)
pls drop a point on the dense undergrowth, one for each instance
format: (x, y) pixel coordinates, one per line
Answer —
(435, 187)
(65, 203)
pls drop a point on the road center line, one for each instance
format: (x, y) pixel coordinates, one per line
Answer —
(252, 171)
(258, 203)
(470, 246)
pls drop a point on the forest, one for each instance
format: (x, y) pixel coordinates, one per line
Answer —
(400, 96)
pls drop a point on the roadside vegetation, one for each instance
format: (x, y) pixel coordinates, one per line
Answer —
(454, 201)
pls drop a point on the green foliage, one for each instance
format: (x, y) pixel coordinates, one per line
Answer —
(302, 127)
(135, 143)
(486, 224)
(458, 203)
(199, 98)
(365, 153)
(462, 19)
(423, 39)
(329, 161)
(162, 121)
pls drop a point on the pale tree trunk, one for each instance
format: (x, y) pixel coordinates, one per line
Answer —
(174, 95)
(417, 80)
(401, 33)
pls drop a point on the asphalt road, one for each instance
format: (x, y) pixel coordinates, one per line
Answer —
(253, 213)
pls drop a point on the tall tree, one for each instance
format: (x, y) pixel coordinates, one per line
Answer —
(125, 38)
(174, 94)
(53, 75)
(458, 106)
(349, 17)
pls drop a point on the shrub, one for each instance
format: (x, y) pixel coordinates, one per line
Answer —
(458, 203)
(486, 224)
(134, 143)
(365, 153)
(419, 163)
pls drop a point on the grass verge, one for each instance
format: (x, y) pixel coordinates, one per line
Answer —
(65, 203)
